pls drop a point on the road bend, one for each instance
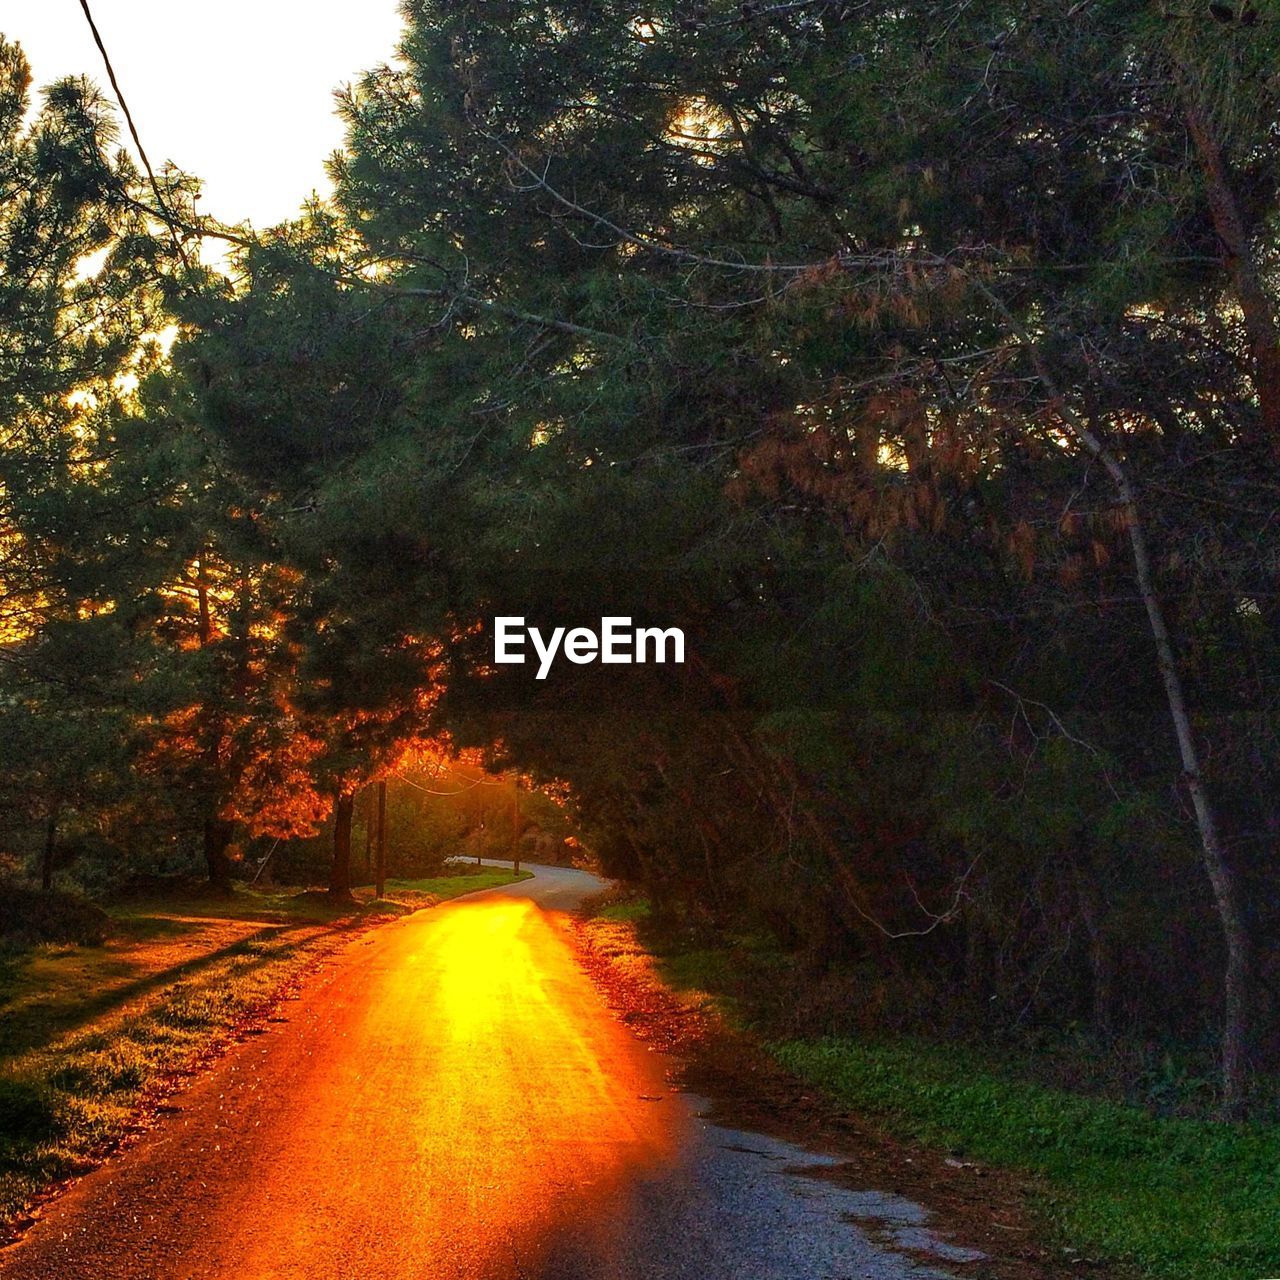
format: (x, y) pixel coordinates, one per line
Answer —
(451, 1099)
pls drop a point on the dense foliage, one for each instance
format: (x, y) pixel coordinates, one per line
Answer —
(920, 361)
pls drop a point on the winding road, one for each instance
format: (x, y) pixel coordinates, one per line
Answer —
(451, 1098)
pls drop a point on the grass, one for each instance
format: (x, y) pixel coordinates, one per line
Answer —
(1172, 1198)
(448, 886)
(90, 1034)
(1166, 1198)
(631, 910)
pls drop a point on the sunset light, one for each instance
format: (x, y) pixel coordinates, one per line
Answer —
(639, 642)
(239, 94)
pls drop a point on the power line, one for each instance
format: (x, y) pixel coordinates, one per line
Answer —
(477, 782)
(166, 216)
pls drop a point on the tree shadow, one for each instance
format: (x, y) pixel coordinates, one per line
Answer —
(39, 1025)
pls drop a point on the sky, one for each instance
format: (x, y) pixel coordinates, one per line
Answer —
(237, 92)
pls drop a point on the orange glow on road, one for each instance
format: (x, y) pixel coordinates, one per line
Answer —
(534, 1082)
(442, 1109)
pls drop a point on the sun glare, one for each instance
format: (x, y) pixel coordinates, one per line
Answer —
(261, 151)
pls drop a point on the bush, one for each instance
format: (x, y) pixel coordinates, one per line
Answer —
(29, 917)
(27, 1112)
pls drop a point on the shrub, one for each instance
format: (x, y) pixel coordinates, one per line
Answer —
(27, 1112)
(29, 917)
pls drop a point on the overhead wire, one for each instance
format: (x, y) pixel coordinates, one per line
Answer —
(165, 214)
(472, 783)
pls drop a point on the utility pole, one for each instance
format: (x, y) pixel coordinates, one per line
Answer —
(381, 885)
(515, 825)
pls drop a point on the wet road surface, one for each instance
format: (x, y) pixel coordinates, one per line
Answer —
(451, 1098)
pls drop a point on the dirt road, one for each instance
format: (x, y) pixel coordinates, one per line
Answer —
(451, 1098)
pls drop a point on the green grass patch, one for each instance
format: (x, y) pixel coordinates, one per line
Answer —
(1163, 1197)
(64, 1098)
(442, 887)
(631, 910)
(705, 969)
(1174, 1198)
(731, 976)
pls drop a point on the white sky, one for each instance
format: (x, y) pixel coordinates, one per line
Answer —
(237, 92)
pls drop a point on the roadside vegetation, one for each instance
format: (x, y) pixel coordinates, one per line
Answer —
(94, 1032)
(1117, 1184)
(1177, 1199)
(919, 361)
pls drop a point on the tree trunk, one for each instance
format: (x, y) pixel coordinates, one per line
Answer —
(1224, 883)
(217, 831)
(515, 826)
(368, 832)
(217, 836)
(204, 614)
(381, 885)
(340, 869)
(50, 844)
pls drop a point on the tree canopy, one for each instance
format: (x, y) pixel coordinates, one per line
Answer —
(920, 362)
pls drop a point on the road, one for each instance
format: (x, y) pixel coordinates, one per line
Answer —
(451, 1098)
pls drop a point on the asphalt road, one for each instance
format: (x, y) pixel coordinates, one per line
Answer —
(451, 1098)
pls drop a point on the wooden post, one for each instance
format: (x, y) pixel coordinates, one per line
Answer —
(368, 832)
(381, 884)
(50, 843)
(340, 870)
(515, 825)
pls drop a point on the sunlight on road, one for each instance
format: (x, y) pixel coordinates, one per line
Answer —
(529, 1066)
(483, 965)
(450, 1100)
(477, 1090)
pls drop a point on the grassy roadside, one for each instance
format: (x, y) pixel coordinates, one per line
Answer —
(1170, 1199)
(92, 1037)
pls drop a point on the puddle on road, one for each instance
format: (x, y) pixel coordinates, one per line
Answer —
(752, 1207)
(830, 1230)
(905, 1224)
